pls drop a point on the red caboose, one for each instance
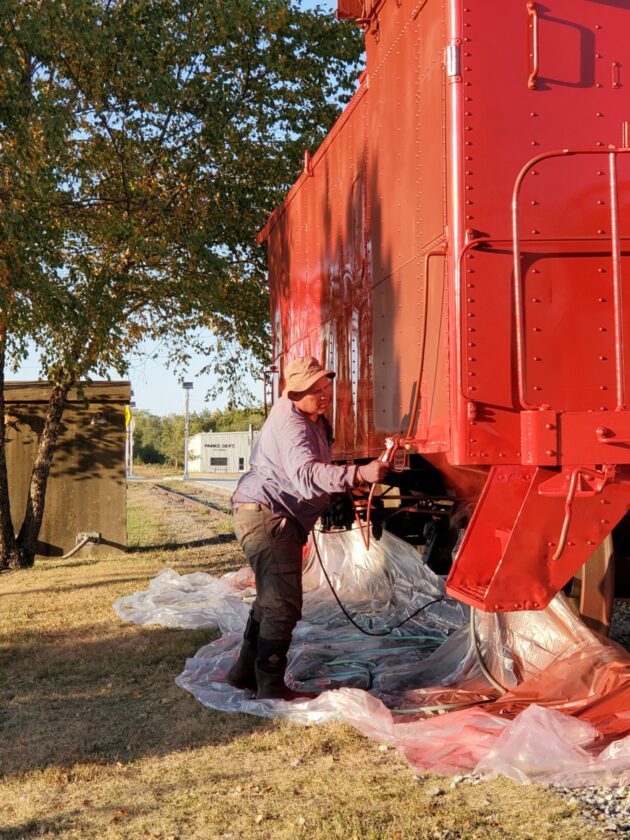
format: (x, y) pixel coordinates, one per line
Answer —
(458, 250)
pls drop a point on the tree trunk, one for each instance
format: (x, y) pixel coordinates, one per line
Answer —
(31, 526)
(9, 555)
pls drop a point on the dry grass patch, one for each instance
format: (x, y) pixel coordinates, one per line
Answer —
(98, 741)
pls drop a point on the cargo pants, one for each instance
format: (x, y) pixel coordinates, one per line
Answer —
(273, 545)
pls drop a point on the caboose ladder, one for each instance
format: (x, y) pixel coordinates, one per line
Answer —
(531, 531)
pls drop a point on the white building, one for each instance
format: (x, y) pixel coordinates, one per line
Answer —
(213, 452)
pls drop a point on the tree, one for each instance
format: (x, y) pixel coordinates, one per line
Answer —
(158, 440)
(143, 144)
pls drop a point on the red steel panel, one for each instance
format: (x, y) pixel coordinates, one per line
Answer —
(577, 102)
(350, 246)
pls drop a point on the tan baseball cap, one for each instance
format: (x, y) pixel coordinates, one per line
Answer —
(301, 373)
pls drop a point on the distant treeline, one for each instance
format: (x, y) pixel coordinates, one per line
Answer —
(160, 440)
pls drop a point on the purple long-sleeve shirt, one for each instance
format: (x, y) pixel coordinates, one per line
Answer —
(290, 470)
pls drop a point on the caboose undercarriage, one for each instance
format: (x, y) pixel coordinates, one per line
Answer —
(418, 506)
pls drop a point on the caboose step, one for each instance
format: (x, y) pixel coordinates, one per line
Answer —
(506, 560)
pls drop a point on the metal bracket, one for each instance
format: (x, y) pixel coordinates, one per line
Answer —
(453, 60)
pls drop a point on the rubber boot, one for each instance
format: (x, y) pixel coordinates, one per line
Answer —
(243, 673)
(271, 664)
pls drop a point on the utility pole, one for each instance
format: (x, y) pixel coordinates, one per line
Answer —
(187, 386)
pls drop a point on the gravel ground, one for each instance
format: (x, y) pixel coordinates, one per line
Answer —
(608, 808)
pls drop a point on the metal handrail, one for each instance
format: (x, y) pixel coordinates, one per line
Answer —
(533, 74)
(612, 152)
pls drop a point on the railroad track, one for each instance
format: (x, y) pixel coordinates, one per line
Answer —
(189, 499)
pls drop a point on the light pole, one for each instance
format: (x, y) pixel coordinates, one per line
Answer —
(187, 386)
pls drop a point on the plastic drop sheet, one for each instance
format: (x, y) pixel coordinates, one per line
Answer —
(564, 718)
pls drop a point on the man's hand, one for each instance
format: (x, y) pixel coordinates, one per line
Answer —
(373, 473)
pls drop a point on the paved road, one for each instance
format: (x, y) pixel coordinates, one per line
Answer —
(228, 484)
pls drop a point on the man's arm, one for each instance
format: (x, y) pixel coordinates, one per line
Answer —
(312, 477)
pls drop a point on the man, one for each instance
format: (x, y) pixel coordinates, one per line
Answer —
(275, 506)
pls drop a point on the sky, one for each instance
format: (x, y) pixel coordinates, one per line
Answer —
(157, 387)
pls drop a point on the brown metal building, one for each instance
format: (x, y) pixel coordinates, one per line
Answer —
(87, 486)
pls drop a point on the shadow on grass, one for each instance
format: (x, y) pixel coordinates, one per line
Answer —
(217, 539)
(76, 587)
(76, 700)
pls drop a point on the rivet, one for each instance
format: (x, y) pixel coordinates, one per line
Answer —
(537, 388)
(536, 329)
(535, 300)
(602, 270)
(549, 426)
(533, 202)
(602, 329)
(602, 408)
(604, 522)
(551, 544)
(534, 172)
(550, 452)
(472, 359)
(537, 358)
(601, 300)
(599, 172)
(600, 201)
(535, 231)
(471, 344)
(570, 543)
(533, 114)
(603, 388)
(603, 358)
(601, 230)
